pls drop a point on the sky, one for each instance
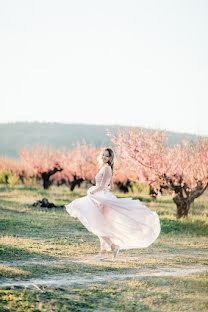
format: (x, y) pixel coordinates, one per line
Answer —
(134, 62)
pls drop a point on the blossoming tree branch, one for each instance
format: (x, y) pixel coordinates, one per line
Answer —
(180, 168)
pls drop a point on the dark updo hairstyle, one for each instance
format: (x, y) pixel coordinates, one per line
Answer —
(111, 159)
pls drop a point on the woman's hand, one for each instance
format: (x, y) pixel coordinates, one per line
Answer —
(111, 187)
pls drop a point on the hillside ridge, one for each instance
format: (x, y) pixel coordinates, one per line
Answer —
(14, 135)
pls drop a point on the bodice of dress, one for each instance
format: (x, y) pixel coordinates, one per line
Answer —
(98, 179)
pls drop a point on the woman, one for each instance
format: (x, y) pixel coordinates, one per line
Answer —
(120, 223)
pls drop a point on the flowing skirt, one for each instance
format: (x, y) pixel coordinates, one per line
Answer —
(125, 221)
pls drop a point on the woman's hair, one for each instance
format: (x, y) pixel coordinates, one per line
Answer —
(111, 157)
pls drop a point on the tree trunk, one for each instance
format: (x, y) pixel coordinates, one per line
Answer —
(21, 177)
(183, 205)
(185, 196)
(124, 187)
(152, 192)
(46, 181)
(61, 182)
(46, 177)
(75, 182)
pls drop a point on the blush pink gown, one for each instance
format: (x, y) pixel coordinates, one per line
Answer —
(125, 222)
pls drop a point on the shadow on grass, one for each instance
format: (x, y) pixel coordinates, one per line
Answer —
(15, 226)
(15, 211)
(184, 227)
(8, 253)
(4, 188)
(114, 296)
(36, 189)
(51, 300)
(10, 188)
(30, 212)
(29, 188)
(72, 267)
(26, 226)
(30, 207)
(13, 203)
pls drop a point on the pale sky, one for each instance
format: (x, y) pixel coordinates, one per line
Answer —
(137, 63)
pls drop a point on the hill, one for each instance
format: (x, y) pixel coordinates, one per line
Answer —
(15, 135)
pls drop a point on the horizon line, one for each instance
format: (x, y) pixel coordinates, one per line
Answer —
(94, 124)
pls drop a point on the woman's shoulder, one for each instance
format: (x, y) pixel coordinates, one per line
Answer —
(107, 168)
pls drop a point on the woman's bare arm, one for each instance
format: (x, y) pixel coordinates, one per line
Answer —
(111, 184)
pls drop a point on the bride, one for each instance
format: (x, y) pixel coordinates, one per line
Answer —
(120, 223)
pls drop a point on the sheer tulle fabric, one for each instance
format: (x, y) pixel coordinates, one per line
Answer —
(124, 221)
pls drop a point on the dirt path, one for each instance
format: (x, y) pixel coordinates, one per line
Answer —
(68, 280)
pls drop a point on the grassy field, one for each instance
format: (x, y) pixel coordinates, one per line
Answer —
(46, 258)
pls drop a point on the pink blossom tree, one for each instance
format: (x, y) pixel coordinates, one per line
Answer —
(124, 174)
(182, 169)
(43, 161)
(79, 164)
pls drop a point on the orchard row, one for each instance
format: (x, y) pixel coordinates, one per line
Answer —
(141, 156)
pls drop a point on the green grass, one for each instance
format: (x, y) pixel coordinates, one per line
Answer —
(29, 233)
(184, 293)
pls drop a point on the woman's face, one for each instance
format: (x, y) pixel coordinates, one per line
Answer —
(105, 157)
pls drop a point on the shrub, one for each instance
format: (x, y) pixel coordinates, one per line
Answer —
(8, 177)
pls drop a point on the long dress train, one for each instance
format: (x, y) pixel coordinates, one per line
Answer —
(125, 222)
